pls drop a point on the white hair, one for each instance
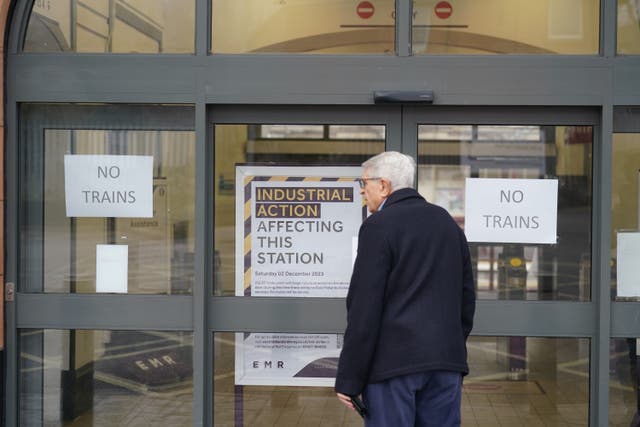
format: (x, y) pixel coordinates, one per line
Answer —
(399, 169)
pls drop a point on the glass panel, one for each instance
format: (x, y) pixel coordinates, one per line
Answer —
(303, 26)
(260, 378)
(292, 131)
(506, 26)
(111, 26)
(63, 253)
(356, 132)
(105, 378)
(448, 154)
(624, 400)
(509, 133)
(241, 145)
(625, 212)
(446, 132)
(527, 381)
(628, 42)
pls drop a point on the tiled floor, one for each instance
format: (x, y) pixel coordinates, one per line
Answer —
(537, 382)
(552, 390)
(508, 406)
(512, 405)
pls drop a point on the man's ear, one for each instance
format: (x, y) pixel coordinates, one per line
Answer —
(386, 188)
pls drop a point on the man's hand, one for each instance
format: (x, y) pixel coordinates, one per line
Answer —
(346, 400)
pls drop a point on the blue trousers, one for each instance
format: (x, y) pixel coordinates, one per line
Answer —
(425, 399)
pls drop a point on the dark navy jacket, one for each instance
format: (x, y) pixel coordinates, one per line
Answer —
(411, 299)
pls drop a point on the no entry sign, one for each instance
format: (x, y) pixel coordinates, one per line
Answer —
(365, 10)
(443, 9)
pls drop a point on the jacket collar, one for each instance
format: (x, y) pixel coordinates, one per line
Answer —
(400, 195)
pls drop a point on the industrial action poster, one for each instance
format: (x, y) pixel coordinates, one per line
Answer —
(296, 236)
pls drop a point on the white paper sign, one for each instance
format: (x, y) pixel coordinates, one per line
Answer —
(287, 359)
(108, 186)
(296, 236)
(295, 228)
(511, 210)
(628, 269)
(111, 268)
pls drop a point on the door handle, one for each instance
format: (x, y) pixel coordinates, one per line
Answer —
(9, 291)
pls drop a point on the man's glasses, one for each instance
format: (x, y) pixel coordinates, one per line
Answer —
(363, 181)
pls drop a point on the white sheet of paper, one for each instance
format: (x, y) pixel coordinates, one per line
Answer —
(628, 272)
(108, 186)
(112, 268)
(511, 210)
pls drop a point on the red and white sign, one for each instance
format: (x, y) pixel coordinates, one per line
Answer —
(443, 9)
(365, 10)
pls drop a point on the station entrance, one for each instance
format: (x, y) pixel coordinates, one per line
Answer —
(196, 322)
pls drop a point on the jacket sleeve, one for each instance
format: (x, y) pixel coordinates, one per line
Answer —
(365, 302)
(468, 288)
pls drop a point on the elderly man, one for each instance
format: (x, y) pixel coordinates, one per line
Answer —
(410, 304)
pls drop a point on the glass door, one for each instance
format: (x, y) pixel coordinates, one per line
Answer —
(102, 235)
(624, 404)
(520, 185)
(286, 212)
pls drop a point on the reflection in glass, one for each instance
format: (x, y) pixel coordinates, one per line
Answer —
(624, 204)
(292, 131)
(506, 26)
(628, 41)
(527, 381)
(513, 381)
(267, 404)
(241, 144)
(111, 26)
(60, 251)
(310, 26)
(356, 132)
(509, 133)
(446, 132)
(624, 400)
(105, 378)
(448, 154)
